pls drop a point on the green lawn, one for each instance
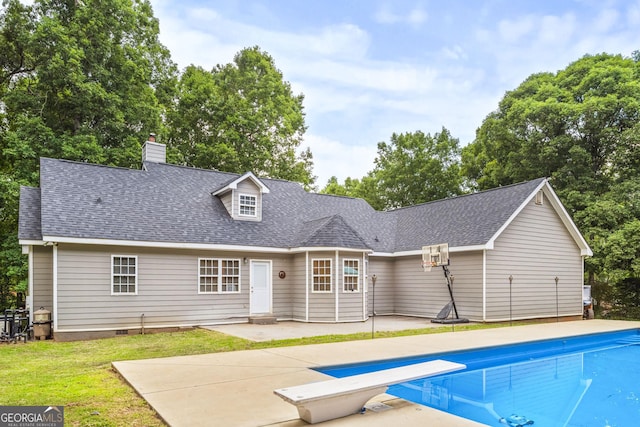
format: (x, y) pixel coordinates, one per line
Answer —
(78, 375)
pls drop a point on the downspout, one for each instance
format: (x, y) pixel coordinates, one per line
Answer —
(306, 287)
(362, 290)
(484, 285)
(584, 258)
(30, 285)
(55, 287)
(337, 282)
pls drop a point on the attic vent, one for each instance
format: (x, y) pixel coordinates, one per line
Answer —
(539, 197)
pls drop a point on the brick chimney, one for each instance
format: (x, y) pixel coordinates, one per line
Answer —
(153, 151)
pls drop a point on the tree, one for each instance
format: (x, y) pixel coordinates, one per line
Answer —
(241, 117)
(567, 126)
(416, 168)
(78, 80)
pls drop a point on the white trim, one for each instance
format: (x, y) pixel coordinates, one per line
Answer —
(358, 283)
(560, 210)
(554, 201)
(484, 285)
(419, 251)
(186, 245)
(307, 284)
(135, 257)
(27, 242)
(54, 316)
(337, 308)
(364, 289)
(234, 184)
(220, 291)
(330, 276)
(30, 283)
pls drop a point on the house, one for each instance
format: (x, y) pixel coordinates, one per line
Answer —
(114, 251)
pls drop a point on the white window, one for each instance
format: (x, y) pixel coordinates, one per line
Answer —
(218, 276)
(321, 275)
(248, 205)
(124, 275)
(208, 276)
(351, 275)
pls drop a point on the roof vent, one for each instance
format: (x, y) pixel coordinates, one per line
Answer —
(153, 151)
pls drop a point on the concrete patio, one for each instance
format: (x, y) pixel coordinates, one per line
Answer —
(236, 388)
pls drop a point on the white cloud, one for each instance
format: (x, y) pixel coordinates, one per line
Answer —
(456, 52)
(354, 99)
(511, 31)
(557, 30)
(416, 16)
(633, 14)
(335, 158)
(605, 20)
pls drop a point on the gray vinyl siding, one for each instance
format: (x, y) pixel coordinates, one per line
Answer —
(466, 270)
(298, 289)
(42, 277)
(350, 306)
(282, 289)
(425, 294)
(534, 249)
(383, 268)
(227, 199)
(167, 289)
(322, 305)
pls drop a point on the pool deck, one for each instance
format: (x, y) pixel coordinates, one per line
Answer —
(236, 388)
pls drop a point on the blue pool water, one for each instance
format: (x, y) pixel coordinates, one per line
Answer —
(591, 380)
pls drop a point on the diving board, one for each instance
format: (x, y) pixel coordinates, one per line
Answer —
(339, 397)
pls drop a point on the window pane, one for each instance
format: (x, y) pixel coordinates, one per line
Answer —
(124, 275)
(322, 275)
(248, 205)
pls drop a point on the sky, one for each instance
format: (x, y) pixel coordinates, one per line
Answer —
(371, 68)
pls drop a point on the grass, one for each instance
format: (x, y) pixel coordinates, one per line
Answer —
(78, 375)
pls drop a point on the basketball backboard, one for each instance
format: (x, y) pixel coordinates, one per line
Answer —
(435, 255)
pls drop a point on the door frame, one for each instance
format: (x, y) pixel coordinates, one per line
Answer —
(269, 278)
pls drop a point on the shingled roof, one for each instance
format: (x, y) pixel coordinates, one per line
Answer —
(29, 223)
(174, 204)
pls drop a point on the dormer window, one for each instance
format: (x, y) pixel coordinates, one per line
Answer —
(248, 205)
(243, 197)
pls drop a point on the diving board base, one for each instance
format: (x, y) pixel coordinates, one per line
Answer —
(317, 411)
(340, 397)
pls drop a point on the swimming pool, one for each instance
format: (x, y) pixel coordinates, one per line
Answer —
(591, 380)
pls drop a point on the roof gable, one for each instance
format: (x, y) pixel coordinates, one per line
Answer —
(233, 184)
(464, 221)
(330, 232)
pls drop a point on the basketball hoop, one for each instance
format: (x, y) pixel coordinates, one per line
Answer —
(434, 255)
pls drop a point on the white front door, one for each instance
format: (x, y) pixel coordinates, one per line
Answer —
(260, 287)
